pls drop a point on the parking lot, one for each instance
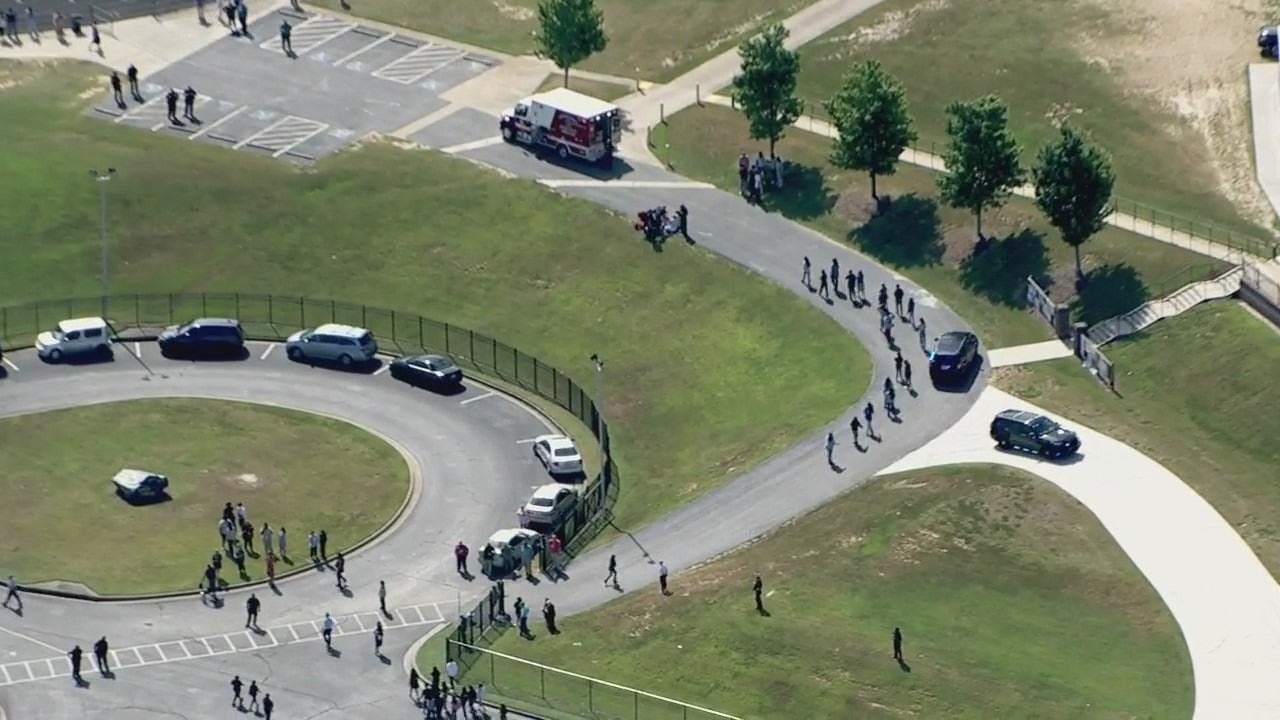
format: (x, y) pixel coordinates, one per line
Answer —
(346, 80)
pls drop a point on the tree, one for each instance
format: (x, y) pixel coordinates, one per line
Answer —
(981, 157)
(1074, 180)
(765, 88)
(870, 113)
(570, 31)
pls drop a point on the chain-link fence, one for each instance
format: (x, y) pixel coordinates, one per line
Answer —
(274, 317)
(523, 684)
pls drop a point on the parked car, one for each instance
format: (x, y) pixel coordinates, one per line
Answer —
(501, 555)
(81, 336)
(203, 337)
(954, 356)
(549, 504)
(331, 342)
(434, 371)
(1027, 431)
(558, 454)
(140, 485)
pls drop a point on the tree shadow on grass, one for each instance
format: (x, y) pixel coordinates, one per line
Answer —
(908, 233)
(805, 196)
(1109, 290)
(998, 270)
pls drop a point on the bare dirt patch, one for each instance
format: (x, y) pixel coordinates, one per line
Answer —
(891, 26)
(1189, 57)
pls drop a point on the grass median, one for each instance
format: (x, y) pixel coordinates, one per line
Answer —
(1192, 395)
(1009, 593)
(931, 243)
(63, 521)
(692, 344)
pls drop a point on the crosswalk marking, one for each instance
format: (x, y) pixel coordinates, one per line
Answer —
(241, 641)
(418, 64)
(310, 34)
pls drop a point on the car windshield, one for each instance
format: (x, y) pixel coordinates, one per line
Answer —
(1043, 426)
(57, 333)
(542, 502)
(949, 345)
(566, 452)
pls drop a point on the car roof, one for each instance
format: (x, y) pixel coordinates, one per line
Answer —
(1023, 416)
(549, 491)
(207, 322)
(504, 537)
(429, 359)
(556, 441)
(340, 329)
(86, 323)
(952, 340)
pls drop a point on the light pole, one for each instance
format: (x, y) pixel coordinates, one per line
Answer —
(102, 178)
(599, 363)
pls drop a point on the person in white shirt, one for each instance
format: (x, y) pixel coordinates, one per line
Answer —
(267, 537)
(451, 669)
(242, 513)
(284, 550)
(327, 631)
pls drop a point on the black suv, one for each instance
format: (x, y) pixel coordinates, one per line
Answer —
(953, 357)
(1033, 433)
(203, 337)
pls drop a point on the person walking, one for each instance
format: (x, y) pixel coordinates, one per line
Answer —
(377, 639)
(851, 287)
(867, 413)
(460, 553)
(906, 373)
(11, 594)
(237, 557)
(911, 310)
(76, 655)
(313, 541)
(662, 577)
(211, 580)
(682, 214)
(435, 671)
(286, 38)
(415, 682)
(326, 631)
(882, 298)
(886, 327)
(268, 539)
(613, 572)
(854, 427)
(324, 545)
(283, 540)
(132, 75)
(897, 299)
(242, 14)
(241, 514)
(835, 274)
(890, 398)
(100, 649)
(200, 12)
(236, 686)
(95, 40)
(897, 644)
(862, 286)
(117, 93)
(757, 589)
(230, 11)
(253, 695)
(523, 615)
(251, 607)
(340, 567)
(271, 570)
(32, 30)
(805, 276)
(171, 102)
(924, 345)
(226, 531)
(549, 615)
(382, 597)
(831, 448)
(451, 667)
(268, 706)
(823, 291)
(897, 365)
(246, 528)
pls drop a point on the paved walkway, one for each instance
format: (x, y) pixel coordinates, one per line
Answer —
(1030, 353)
(1222, 597)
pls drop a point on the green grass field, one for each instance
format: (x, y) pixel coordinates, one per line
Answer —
(1192, 396)
(928, 242)
(946, 51)
(416, 231)
(64, 522)
(1013, 601)
(650, 40)
(594, 88)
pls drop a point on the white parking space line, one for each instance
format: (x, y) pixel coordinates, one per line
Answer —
(9, 364)
(267, 352)
(201, 101)
(52, 671)
(382, 369)
(310, 34)
(283, 134)
(209, 126)
(439, 614)
(468, 401)
(319, 128)
(418, 64)
(292, 632)
(135, 113)
(137, 349)
(352, 56)
(473, 145)
(5, 671)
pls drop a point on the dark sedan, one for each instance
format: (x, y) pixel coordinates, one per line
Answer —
(431, 371)
(953, 358)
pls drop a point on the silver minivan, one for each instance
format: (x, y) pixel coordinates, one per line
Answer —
(331, 342)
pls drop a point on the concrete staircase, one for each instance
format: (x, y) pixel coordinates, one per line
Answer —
(1176, 303)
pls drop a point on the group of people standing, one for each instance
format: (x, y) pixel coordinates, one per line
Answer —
(441, 699)
(756, 176)
(237, 534)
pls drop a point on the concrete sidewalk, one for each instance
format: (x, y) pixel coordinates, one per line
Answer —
(1026, 354)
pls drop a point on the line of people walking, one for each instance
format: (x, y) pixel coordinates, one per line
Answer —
(171, 98)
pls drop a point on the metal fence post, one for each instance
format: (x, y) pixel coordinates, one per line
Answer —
(591, 697)
(204, 304)
(542, 682)
(471, 343)
(237, 305)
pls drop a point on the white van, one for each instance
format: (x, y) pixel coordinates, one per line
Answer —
(74, 337)
(331, 342)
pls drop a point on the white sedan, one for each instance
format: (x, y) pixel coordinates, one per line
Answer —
(558, 453)
(550, 503)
